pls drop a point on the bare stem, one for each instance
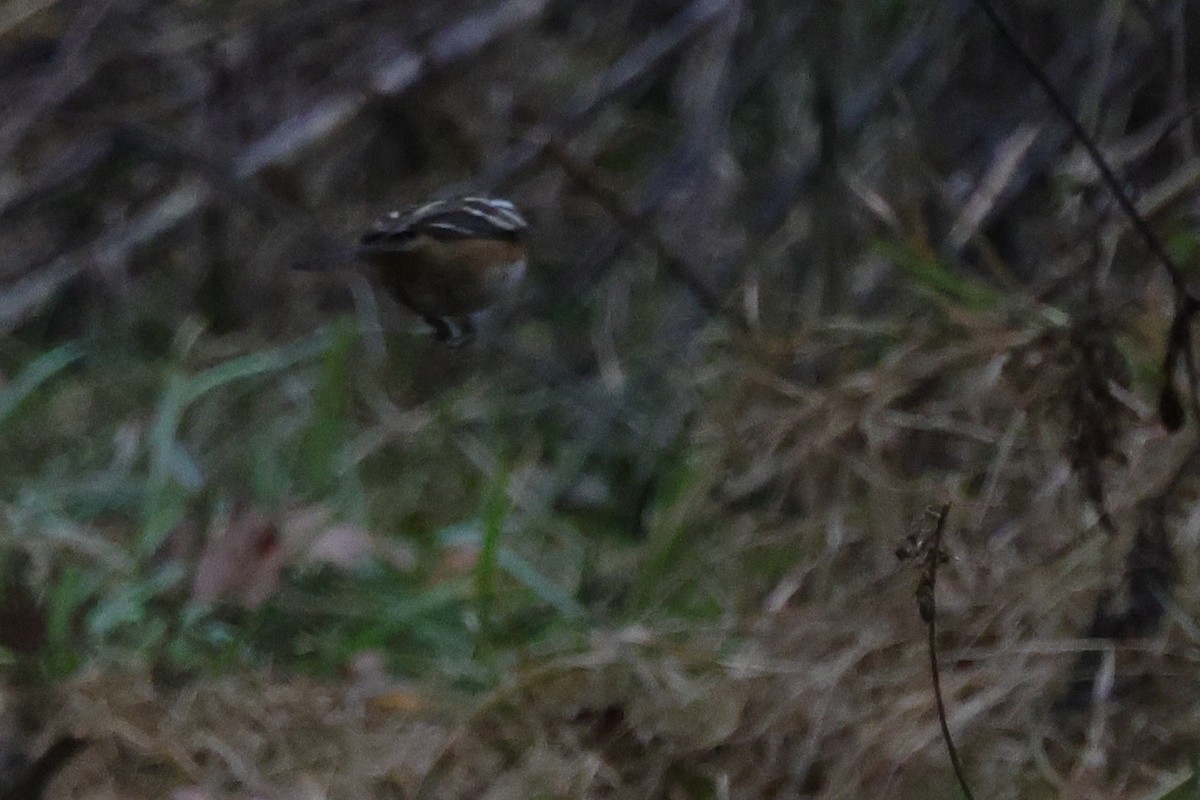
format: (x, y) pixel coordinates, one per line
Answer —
(929, 615)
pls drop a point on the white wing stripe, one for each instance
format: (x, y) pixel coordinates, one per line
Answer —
(501, 214)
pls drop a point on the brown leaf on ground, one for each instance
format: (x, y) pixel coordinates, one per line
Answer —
(242, 561)
(245, 553)
(311, 536)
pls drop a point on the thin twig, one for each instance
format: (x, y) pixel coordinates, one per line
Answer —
(1097, 158)
(630, 70)
(773, 205)
(70, 70)
(1046, 151)
(778, 198)
(1186, 302)
(24, 298)
(932, 559)
(20, 300)
(641, 227)
(681, 161)
(926, 550)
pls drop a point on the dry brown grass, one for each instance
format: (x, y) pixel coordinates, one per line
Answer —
(815, 684)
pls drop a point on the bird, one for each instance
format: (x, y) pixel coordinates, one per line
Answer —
(448, 259)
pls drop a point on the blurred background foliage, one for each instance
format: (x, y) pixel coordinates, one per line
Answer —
(799, 270)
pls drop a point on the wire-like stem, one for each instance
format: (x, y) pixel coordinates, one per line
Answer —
(1186, 302)
(1114, 183)
(928, 604)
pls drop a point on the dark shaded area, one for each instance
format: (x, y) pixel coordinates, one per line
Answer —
(225, 154)
(1151, 570)
(29, 782)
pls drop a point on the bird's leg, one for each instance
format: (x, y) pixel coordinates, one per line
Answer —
(466, 332)
(441, 329)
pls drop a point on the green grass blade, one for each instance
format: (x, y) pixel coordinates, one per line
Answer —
(35, 374)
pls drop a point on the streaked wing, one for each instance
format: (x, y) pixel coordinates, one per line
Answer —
(462, 218)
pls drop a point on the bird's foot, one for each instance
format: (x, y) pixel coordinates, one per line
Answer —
(447, 335)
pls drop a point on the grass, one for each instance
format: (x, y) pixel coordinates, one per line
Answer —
(759, 603)
(614, 549)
